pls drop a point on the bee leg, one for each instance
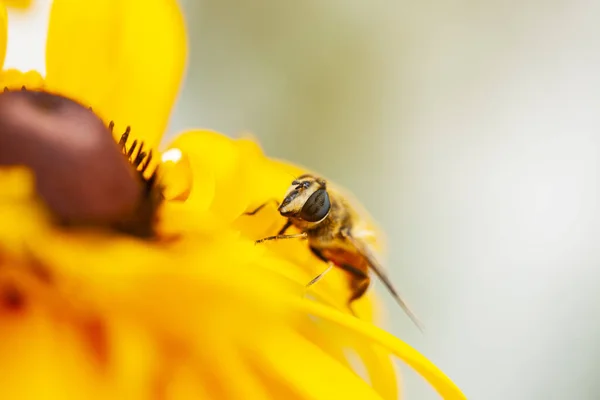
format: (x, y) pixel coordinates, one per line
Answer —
(358, 290)
(301, 235)
(261, 207)
(317, 278)
(285, 227)
(318, 254)
(359, 283)
(321, 257)
(321, 275)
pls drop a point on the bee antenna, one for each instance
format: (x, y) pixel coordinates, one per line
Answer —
(292, 175)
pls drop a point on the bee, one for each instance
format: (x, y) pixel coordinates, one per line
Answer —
(334, 229)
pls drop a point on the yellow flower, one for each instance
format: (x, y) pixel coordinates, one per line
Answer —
(192, 309)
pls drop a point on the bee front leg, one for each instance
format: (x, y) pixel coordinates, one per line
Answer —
(285, 227)
(301, 235)
(261, 207)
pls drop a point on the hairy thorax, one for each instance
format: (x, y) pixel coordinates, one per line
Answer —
(328, 232)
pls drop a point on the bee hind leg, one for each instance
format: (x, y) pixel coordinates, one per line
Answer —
(358, 290)
(359, 283)
(359, 280)
(318, 254)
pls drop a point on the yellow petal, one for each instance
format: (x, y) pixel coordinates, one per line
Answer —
(202, 192)
(302, 370)
(17, 183)
(377, 362)
(18, 4)
(224, 365)
(175, 175)
(214, 154)
(436, 378)
(124, 58)
(3, 33)
(14, 79)
(32, 347)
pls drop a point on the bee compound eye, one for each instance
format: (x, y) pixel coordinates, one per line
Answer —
(316, 207)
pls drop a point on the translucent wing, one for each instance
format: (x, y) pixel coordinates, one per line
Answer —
(376, 267)
(364, 226)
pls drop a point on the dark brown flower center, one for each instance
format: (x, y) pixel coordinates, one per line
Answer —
(81, 173)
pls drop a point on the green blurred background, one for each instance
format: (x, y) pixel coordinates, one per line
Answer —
(471, 131)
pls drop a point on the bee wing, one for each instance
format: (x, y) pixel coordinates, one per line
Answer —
(364, 225)
(374, 264)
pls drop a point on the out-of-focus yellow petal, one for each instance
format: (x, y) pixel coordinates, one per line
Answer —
(125, 59)
(377, 363)
(288, 361)
(215, 157)
(14, 79)
(227, 365)
(3, 33)
(31, 346)
(202, 189)
(17, 183)
(18, 4)
(436, 378)
(338, 341)
(176, 175)
(82, 51)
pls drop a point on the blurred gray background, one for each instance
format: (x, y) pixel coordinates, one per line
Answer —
(471, 131)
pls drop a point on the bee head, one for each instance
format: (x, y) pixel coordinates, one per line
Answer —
(306, 199)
